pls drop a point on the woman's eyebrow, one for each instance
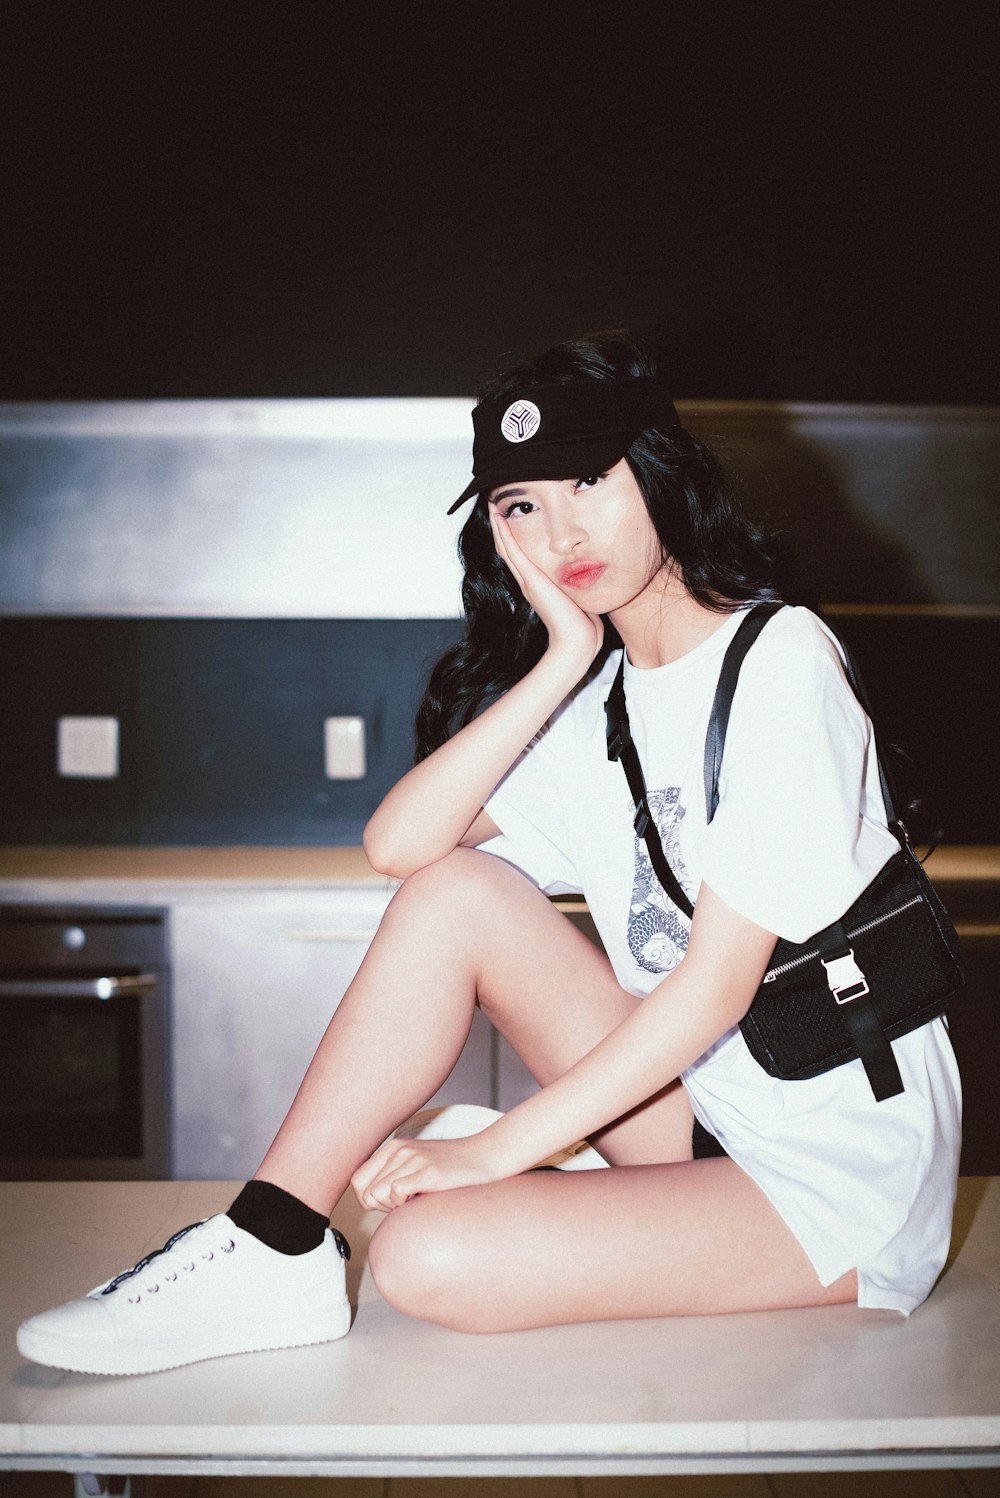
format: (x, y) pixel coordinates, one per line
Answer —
(506, 494)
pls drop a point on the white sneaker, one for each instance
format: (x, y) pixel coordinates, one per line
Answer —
(459, 1120)
(212, 1289)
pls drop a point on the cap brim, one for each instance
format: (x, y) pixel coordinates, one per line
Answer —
(573, 459)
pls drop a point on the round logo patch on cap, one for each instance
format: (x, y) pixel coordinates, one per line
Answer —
(521, 421)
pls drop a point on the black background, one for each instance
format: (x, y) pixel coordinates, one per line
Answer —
(258, 200)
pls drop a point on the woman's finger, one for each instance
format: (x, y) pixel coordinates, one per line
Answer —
(376, 1197)
(505, 544)
(376, 1165)
(394, 1173)
(393, 1187)
(520, 565)
(401, 1169)
(530, 578)
(563, 617)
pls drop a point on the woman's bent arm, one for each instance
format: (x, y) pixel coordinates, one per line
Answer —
(430, 811)
(694, 1006)
(700, 1001)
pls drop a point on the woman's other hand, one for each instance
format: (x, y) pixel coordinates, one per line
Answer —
(571, 629)
(401, 1168)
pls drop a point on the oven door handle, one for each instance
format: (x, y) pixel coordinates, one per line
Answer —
(124, 986)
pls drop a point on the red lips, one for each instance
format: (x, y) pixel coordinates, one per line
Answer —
(581, 574)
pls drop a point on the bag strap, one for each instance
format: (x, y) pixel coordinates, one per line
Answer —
(750, 628)
(853, 673)
(620, 746)
(847, 984)
(715, 739)
(849, 990)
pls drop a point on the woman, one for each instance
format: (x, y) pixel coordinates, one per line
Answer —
(597, 519)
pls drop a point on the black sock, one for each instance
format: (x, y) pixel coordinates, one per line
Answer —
(277, 1218)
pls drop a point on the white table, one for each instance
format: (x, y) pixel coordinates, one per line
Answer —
(793, 1390)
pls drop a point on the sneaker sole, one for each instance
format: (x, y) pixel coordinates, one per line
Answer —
(131, 1358)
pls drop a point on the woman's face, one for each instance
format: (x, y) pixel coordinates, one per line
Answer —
(592, 536)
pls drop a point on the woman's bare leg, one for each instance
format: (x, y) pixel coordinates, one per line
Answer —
(645, 1239)
(558, 1021)
(467, 926)
(690, 1238)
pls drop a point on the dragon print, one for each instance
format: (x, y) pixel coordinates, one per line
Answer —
(657, 937)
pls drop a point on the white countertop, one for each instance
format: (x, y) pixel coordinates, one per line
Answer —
(827, 1388)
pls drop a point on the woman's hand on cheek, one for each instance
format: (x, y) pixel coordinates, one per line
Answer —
(402, 1168)
(569, 627)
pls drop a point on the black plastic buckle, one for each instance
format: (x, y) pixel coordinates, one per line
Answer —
(642, 818)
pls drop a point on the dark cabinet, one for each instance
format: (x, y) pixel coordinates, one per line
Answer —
(975, 1019)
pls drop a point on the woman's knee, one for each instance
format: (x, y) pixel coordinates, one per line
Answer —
(458, 886)
(421, 1268)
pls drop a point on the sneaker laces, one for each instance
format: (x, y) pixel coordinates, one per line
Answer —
(343, 1248)
(157, 1253)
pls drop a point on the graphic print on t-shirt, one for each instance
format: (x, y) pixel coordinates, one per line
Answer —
(657, 937)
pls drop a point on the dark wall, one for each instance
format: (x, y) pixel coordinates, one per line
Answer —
(221, 725)
(329, 200)
(222, 722)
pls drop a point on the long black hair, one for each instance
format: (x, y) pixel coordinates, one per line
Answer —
(722, 557)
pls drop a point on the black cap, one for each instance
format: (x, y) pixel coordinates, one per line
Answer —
(563, 431)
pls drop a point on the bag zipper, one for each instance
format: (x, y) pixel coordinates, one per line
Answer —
(784, 967)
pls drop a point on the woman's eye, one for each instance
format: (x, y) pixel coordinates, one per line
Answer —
(589, 481)
(519, 507)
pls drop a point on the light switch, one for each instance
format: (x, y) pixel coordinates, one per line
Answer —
(87, 748)
(344, 743)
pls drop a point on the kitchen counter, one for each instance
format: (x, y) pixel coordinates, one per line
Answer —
(312, 866)
(248, 924)
(818, 1389)
(246, 866)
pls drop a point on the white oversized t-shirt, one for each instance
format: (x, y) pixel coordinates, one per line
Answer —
(798, 834)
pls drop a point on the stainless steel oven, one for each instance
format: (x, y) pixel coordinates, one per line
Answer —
(84, 1043)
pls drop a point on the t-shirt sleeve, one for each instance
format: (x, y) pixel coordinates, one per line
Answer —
(789, 846)
(527, 806)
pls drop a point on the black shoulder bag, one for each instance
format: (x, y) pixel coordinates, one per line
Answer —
(890, 964)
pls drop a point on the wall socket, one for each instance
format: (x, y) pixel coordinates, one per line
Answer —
(87, 748)
(344, 748)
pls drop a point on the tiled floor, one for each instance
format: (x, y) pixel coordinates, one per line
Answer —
(968, 1483)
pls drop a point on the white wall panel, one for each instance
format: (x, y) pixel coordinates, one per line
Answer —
(261, 508)
(337, 508)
